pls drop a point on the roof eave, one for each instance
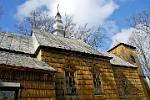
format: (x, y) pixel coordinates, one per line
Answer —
(119, 45)
(64, 50)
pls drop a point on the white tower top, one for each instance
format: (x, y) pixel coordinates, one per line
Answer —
(58, 25)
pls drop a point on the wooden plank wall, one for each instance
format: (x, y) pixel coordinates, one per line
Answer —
(83, 75)
(34, 85)
(125, 53)
(134, 87)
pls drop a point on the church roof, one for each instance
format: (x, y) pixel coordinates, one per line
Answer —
(118, 44)
(23, 61)
(26, 44)
(50, 40)
(15, 42)
(119, 62)
(15, 49)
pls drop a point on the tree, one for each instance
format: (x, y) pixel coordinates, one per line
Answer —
(141, 39)
(96, 37)
(23, 27)
(37, 19)
(90, 35)
(69, 26)
(42, 21)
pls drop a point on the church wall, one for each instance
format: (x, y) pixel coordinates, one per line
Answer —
(128, 83)
(33, 85)
(82, 66)
(125, 53)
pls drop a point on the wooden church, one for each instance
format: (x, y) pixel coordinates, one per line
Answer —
(48, 66)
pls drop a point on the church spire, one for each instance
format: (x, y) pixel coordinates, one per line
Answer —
(58, 25)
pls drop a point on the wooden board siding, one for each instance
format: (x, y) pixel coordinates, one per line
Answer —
(34, 85)
(134, 87)
(125, 52)
(83, 75)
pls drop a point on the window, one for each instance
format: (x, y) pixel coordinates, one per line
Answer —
(97, 83)
(125, 86)
(132, 59)
(8, 90)
(70, 82)
(7, 95)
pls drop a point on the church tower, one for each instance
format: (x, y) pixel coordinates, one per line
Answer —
(58, 25)
(129, 54)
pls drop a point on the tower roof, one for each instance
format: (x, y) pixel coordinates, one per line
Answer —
(115, 46)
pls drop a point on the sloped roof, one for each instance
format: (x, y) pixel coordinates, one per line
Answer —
(29, 44)
(15, 42)
(118, 44)
(22, 60)
(47, 39)
(119, 62)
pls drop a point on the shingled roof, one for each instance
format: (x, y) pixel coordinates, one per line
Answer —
(19, 46)
(119, 62)
(50, 40)
(13, 42)
(118, 44)
(23, 61)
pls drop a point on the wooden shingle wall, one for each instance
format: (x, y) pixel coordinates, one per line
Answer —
(128, 83)
(125, 52)
(33, 85)
(82, 66)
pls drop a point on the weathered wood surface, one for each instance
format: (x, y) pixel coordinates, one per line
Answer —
(82, 67)
(23, 61)
(134, 89)
(33, 85)
(15, 42)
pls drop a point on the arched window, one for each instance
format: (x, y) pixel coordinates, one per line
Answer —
(70, 82)
(97, 82)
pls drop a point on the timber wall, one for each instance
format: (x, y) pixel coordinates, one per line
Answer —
(34, 85)
(128, 83)
(83, 75)
(125, 53)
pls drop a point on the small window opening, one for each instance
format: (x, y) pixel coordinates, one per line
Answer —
(132, 59)
(70, 82)
(97, 83)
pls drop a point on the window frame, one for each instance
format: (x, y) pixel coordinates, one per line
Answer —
(132, 59)
(9, 86)
(70, 81)
(98, 90)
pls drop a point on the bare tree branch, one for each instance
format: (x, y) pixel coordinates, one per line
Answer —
(40, 20)
(37, 19)
(141, 38)
(69, 26)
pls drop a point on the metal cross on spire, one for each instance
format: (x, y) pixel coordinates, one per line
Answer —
(58, 8)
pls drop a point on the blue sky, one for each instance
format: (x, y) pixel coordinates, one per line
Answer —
(127, 9)
(111, 13)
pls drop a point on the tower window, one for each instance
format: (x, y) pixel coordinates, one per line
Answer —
(70, 82)
(132, 59)
(125, 86)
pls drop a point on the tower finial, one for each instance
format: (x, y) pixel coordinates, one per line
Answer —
(57, 7)
(58, 25)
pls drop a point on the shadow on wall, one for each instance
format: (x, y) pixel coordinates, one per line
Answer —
(127, 88)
